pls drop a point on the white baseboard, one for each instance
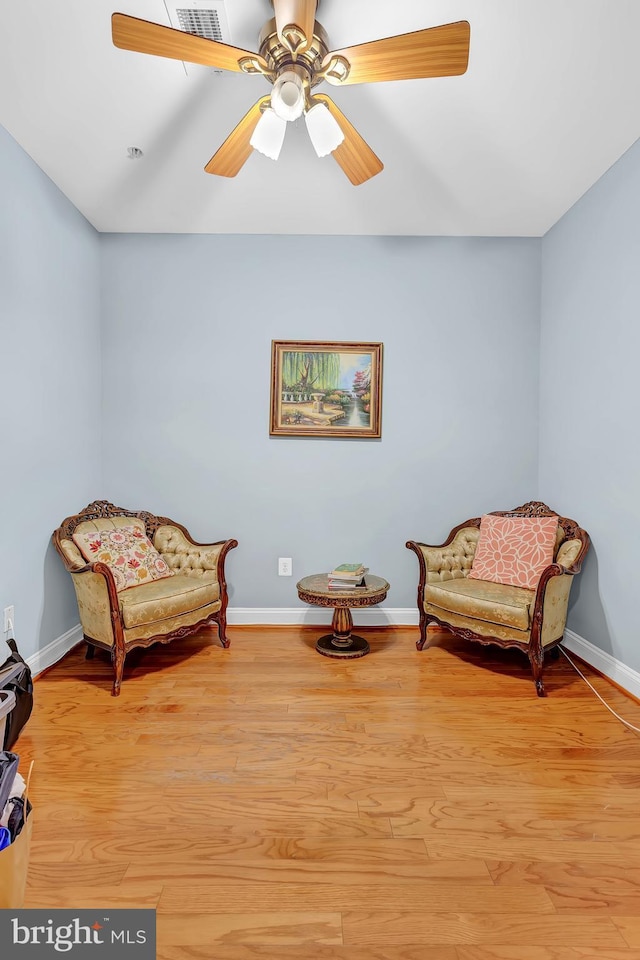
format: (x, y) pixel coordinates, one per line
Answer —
(319, 616)
(55, 650)
(617, 671)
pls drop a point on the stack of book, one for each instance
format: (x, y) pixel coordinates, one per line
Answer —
(347, 576)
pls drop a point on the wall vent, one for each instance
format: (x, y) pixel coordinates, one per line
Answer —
(204, 18)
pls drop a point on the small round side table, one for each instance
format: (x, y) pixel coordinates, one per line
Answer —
(342, 644)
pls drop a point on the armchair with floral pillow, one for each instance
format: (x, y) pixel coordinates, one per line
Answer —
(140, 579)
(503, 579)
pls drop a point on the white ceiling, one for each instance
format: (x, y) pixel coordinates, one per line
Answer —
(549, 102)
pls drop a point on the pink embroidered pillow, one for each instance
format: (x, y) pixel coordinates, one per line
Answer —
(514, 550)
(127, 551)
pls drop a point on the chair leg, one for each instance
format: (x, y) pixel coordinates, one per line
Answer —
(221, 620)
(90, 651)
(117, 659)
(424, 623)
(537, 664)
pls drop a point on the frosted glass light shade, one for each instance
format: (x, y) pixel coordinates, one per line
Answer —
(268, 135)
(287, 96)
(325, 132)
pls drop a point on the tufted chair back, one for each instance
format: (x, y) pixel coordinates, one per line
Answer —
(180, 556)
(454, 558)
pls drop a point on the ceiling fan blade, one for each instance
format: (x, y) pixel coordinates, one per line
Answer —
(434, 52)
(130, 33)
(229, 159)
(354, 154)
(295, 13)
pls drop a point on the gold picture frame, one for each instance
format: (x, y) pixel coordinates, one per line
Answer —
(325, 389)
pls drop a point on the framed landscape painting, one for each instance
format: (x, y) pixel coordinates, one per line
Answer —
(321, 389)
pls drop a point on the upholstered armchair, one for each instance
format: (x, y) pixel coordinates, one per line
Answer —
(140, 579)
(530, 619)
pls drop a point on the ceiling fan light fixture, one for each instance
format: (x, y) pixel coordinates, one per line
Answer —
(294, 56)
(324, 130)
(268, 136)
(287, 96)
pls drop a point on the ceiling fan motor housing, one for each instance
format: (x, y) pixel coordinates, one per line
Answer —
(280, 58)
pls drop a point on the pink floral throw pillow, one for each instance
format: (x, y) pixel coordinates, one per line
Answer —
(514, 550)
(127, 551)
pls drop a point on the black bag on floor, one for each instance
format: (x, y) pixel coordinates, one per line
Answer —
(15, 675)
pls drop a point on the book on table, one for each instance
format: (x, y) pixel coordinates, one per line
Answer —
(348, 571)
(347, 576)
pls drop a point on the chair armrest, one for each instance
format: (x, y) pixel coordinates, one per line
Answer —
(69, 553)
(551, 605)
(97, 602)
(572, 552)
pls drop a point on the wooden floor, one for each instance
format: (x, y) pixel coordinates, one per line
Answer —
(273, 803)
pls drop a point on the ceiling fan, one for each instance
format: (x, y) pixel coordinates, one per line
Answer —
(294, 56)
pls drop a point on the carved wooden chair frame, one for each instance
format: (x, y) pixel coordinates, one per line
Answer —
(534, 649)
(102, 509)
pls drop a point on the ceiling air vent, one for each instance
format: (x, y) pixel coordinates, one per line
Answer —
(204, 18)
(204, 23)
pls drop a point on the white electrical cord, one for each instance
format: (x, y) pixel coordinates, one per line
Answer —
(610, 709)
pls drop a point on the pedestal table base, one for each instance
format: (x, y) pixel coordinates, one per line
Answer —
(342, 643)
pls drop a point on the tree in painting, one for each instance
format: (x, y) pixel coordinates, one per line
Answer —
(362, 387)
(304, 372)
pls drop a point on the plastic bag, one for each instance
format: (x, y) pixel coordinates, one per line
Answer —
(8, 770)
(14, 859)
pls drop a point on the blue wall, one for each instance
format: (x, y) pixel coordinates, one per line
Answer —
(589, 398)
(162, 344)
(187, 327)
(50, 414)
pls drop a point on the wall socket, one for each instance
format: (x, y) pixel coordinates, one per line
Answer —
(8, 616)
(285, 567)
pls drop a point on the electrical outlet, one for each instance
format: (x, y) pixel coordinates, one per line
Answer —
(285, 567)
(8, 616)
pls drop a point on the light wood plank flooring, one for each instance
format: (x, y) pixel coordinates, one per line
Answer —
(273, 803)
